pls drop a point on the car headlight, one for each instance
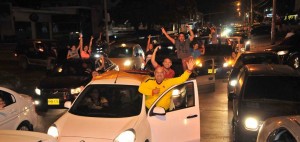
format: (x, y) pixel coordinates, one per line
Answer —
(53, 131)
(252, 124)
(232, 82)
(198, 63)
(127, 136)
(77, 90)
(127, 63)
(248, 42)
(282, 52)
(37, 91)
(228, 63)
(96, 55)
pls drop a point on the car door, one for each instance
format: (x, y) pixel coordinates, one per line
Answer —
(204, 73)
(9, 114)
(182, 121)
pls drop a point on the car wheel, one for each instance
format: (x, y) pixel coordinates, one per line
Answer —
(295, 62)
(23, 63)
(25, 126)
(235, 133)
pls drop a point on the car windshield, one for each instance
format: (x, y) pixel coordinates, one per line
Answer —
(112, 101)
(284, 88)
(72, 67)
(291, 41)
(120, 52)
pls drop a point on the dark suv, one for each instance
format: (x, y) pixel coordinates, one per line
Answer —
(37, 52)
(263, 91)
(288, 50)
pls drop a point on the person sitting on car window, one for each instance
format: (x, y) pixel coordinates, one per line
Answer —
(73, 53)
(167, 63)
(149, 49)
(2, 103)
(196, 50)
(86, 50)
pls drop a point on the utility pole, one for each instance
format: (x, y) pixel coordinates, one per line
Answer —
(251, 13)
(273, 30)
(106, 21)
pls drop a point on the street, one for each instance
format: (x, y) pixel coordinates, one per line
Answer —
(215, 115)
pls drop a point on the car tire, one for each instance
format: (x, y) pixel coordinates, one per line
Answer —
(25, 126)
(235, 133)
(295, 62)
(23, 63)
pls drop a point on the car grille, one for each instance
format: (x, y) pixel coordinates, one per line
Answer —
(56, 93)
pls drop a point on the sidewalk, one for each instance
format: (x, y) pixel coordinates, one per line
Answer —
(261, 42)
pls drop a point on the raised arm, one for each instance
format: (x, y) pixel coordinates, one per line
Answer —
(80, 45)
(91, 42)
(185, 75)
(191, 32)
(148, 43)
(167, 35)
(154, 63)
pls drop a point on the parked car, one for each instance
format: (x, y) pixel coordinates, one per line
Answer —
(38, 52)
(122, 115)
(263, 91)
(18, 112)
(65, 82)
(258, 57)
(280, 129)
(24, 136)
(288, 51)
(127, 55)
(261, 30)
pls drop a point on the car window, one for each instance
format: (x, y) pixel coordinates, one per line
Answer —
(120, 52)
(7, 97)
(240, 82)
(281, 135)
(283, 88)
(112, 101)
(181, 96)
(72, 67)
(291, 41)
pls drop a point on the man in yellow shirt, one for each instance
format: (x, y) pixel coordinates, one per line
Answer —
(154, 87)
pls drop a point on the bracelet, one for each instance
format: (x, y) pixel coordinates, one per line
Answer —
(189, 71)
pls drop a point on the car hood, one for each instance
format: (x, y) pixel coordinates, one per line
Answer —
(93, 127)
(64, 82)
(266, 108)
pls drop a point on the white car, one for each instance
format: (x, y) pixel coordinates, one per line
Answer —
(280, 129)
(119, 114)
(18, 112)
(24, 136)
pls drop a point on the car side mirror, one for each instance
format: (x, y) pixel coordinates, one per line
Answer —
(232, 95)
(67, 104)
(159, 111)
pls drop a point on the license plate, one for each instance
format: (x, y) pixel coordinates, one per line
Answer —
(210, 70)
(53, 101)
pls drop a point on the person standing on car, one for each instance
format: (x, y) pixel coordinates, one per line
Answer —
(182, 45)
(167, 63)
(85, 51)
(154, 87)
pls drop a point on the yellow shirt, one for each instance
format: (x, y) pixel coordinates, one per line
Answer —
(149, 84)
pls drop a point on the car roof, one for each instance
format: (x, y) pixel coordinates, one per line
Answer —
(270, 70)
(119, 77)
